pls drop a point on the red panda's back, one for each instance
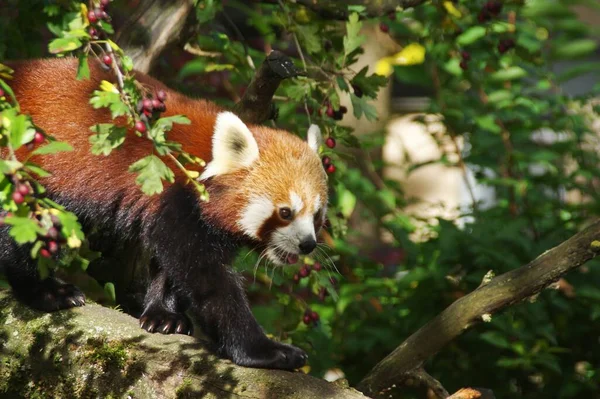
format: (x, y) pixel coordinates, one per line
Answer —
(58, 103)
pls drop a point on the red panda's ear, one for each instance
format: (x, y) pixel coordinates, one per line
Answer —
(233, 146)
(314, 138)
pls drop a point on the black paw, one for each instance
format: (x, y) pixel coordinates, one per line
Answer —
(165, 322)
(272, 355)
(52, 295)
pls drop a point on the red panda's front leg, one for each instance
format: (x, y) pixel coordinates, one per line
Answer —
(193, 255)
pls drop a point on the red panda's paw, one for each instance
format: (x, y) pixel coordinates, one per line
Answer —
(274, 355)
(52, 295)
(165, 322)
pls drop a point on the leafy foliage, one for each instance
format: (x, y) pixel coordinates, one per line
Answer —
(490, 79)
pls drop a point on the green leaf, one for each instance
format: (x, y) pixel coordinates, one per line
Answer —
(575, 49)
(369, 85)
(53, 148)
(151, 171)
(471, 35)
(167, 123)
(488, 122)
(107, 138)
(23, 229)
(111, 100)
(83, 69)
(510, 73)
(361, 105)
(37, 170)
(19, 127)
(64, 44)
(309, 36)
(109, 290)
(353, 40)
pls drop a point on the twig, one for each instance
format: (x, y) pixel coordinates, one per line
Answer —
(501, 292)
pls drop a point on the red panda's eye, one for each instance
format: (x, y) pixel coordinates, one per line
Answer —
(285, 213)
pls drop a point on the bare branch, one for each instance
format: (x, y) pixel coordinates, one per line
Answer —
(256, 104)
(501, 292)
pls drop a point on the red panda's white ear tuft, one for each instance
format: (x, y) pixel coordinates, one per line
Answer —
(233, 146)
(314, 138)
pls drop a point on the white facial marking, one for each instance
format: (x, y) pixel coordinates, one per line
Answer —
(317, 204)
(233, 146)
(297, 203)
(314, 137)
(259, 209)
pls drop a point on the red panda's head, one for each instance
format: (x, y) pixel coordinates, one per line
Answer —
(271, 186)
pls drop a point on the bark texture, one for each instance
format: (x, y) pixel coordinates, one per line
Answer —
(97, 352)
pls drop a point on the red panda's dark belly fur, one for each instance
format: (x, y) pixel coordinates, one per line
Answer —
(189, 251)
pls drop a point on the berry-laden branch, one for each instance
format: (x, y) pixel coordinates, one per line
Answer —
(491, 297)
(128, 99)
(30, 216)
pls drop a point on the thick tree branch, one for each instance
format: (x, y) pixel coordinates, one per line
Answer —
(94, 352)
(499, 293)
(256, 104)
(151, 28)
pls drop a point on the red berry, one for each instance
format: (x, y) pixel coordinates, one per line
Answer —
(107, 59)
(156, 104)
(23, 189)
(104, 3)
(38, 138)
(463, 65)
(317, 267)
(326, 161)
(93, 33)
(18, 197)
(384, 27)
(45, 253)
(330, 142)
(100, 14)
(1, 93)
(343, 109)
(140, 126)
(306, 319)
(465, 55)
(330, 169)
(53, 247)
(304, 272)
(147, 103)
(314, 315)
(330, 112)
(92, 17)
(52, 233)
(161, 95)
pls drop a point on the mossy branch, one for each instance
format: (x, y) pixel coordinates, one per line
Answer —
(491, 297)
(95, 351)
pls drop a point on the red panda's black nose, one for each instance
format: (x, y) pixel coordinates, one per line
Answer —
(307, 245)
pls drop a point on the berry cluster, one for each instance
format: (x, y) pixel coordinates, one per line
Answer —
(490, 10)
(305, 271)
(336, 114)
(150, 108)
(505, 45)
(327, 164)
(52, 239)
(95, 16)
(310, 317)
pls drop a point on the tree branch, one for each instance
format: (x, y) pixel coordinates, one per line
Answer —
(499, 293)
(256, 104)
(148, 31)
(95, 351)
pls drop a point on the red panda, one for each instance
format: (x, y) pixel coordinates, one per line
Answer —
(267, 188)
